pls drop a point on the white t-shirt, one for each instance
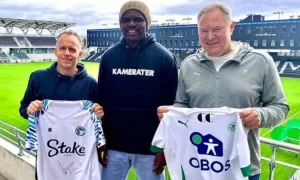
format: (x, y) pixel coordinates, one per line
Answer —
(203, 144)
(220, 61)
(66, 134)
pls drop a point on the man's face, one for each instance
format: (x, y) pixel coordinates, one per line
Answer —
(68, 51)
(133, 26)
(214, 33)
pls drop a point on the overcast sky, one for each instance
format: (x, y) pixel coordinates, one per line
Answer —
(92, 14)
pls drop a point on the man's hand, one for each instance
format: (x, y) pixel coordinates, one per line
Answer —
(102, 155)
(250, 118)
(34, 107)
(161, 110)
(98, 110)
(159, 163)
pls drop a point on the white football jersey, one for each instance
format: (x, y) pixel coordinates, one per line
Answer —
(66, 135)
(203, 144)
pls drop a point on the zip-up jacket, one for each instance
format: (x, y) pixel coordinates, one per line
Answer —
(249, 80)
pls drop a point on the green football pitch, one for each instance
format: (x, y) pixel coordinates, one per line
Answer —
(14, 79)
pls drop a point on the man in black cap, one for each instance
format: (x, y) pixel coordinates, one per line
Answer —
(135, 77)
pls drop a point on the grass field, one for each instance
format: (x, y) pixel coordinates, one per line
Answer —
(14, 78)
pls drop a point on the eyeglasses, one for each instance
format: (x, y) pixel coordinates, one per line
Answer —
(126, 20)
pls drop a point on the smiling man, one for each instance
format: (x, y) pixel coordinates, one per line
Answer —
(233, 74)
(136, 76)
(64, 80)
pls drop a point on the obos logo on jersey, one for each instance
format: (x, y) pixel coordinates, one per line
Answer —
(80, 131)
(210, 146)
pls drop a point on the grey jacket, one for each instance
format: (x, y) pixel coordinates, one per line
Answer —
(249, 80)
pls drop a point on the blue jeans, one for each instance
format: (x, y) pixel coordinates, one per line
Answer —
(255, 177)
(119, 163)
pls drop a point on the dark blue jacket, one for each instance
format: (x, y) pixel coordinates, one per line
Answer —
(50, 84)
(132, 83)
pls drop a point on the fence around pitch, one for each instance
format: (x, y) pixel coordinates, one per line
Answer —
(14, 136)
(17, 137)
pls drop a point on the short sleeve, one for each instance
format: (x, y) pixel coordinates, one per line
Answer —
(241, 147)
(159, 140)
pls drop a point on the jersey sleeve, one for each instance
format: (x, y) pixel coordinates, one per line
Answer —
(97, 123)
(241, 148)
(31, 142)
(159, 140)
(98, 131)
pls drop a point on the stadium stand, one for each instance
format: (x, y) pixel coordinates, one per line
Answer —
(42, 57)
(91, 54)
(42, 41)
(285, 68)
(22, 56)
(94, 54)
(4, 58)
(8, 41)
(289, 68)
(22, 42)
(16, 48)
(96, 57)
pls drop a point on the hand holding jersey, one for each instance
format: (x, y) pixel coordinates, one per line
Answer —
(66, 134)
(66, 79)
(161, 110)
(250, 118)
(34, 107)
(98, 110)
(228, 73)
(203, 143)
(37, 105)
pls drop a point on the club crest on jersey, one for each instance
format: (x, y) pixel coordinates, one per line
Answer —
(231, 127)
(80, 131)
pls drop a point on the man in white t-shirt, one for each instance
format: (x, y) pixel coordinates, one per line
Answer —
(233, 74)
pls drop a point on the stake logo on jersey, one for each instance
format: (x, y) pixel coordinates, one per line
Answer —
(203, 144)
(56, 147)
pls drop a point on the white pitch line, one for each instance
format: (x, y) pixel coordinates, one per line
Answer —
(281, 123)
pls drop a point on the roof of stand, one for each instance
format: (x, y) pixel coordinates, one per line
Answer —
(38, 25)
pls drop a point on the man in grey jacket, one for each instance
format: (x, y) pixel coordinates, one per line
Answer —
(232, 74)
